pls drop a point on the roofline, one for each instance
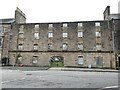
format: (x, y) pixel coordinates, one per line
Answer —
(62, 22)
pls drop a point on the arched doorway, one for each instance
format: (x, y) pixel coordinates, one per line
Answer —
(57, 61)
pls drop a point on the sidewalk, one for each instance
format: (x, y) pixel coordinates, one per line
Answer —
(84, 69)
(59, 69)
(25, 68)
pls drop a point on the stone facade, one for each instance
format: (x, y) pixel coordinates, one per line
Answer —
(77, 44)
(24, 35)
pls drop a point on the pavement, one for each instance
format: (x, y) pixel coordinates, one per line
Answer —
(59, 69)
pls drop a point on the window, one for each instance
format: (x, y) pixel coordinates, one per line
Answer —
(65, 25)
(97, 24)
(98, 40)
(65, 34)
(1, 29)
(50, 34)
(99, 61)
(49, 46)
(19, 60)
(80, 34)
(98, 47)
(37, 26)
(65, 46)
(50, 25)
(21, 35)
(20, 47)
(98, 34)
(80, 60)
(35, 47)
(1, 40)
(80, 24)
(80, 46)
(35, 59)
(36, 35)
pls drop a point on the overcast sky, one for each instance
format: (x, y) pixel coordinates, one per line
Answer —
(58, 10)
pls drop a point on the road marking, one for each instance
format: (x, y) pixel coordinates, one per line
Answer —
(112, 87)
(109, 87)
(12, 80)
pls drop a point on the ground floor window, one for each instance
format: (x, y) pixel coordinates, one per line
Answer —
(35, 59)
(20, 60)
(80, 60)
(99, 61)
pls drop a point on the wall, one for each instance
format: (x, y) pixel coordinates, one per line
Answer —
(71, 54)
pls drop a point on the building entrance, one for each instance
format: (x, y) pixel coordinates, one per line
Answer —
(57, 61)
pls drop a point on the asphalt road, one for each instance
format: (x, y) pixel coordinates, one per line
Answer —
(57, 79)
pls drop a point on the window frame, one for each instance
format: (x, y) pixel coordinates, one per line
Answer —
(80, 46)
(97, 24)
(36, 26)
(65, 25)
(50, 34)
(65, 34)
(80, 60)
(98, 47)
(35, 46)
(35, 60)
(50, 46)
(64, 46)
(20, 46)
(98, 34)
(80, 34)
(80, 24)
(36, 35)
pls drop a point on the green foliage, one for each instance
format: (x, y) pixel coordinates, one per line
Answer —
(57, 64)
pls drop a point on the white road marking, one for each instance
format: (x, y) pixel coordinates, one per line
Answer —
(12, 80)
(112, 87)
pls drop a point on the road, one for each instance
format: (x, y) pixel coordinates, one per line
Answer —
(57, 79)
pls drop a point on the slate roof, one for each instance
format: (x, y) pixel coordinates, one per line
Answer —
(7, 20)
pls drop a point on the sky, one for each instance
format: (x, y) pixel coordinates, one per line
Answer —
(38, 11)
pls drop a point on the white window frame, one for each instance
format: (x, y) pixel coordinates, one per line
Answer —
(20, 59)
(65, 25)
(97, 24)
(36, 35)
(98, 46)
(65, 34)
(80, 46)
(35, 46)
(80, 34)
(35, 60)
(80, 24)
(21, 35)
(98, 34)
(20, 46)
(80, 60)
(50, 25)
(50, 34)
(37, 26)
(1, 29)
(50, 46)
(65, 46)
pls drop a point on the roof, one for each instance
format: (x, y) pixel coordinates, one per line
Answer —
(7, 20)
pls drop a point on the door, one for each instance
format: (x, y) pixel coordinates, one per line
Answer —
(99, 62)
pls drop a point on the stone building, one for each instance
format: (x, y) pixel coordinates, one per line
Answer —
(69, 44)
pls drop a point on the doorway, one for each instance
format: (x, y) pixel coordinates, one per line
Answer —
(56, 61)
(119, 61)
